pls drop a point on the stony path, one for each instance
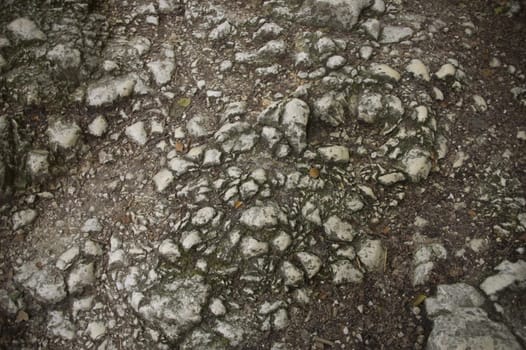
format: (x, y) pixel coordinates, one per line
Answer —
(219, 175)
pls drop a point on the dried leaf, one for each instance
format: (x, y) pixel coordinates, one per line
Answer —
(21, 316)
(39, 265)
(472, 213)
(238, 204)
(184, 102)
(179, 146)
(314, 172)
(386, 230)
(419, 299)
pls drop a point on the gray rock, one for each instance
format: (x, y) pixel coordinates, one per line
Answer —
(163, 179)
(98, 126)
(450, 297)
(236, 137)
(383, 71)
(203, 216)
(251, 247)
(23, 218)
(372, 28)
(268, 31)
(137, 133)
(446, 71)
(181, 166)
(37, 163)
(310, 262)
(418, 69)
(331, 108)
(508, 274)
(260, 217)
(372, 255)
(91, 225)
(366, 52)
(222, 31)
(391, 178)
(60, 326)
(370, 107)
(25, 29)
(80, 277)
(416, 164)
(335, 154)
(66, 259)
(64, 57)
(3, 62)
(201, 125)
(46, 284)
(212, 157)
(338, 14)
(272, 49)
(162, 70)
(169, 250)
(470, 328)
(339, 230)
(109, 90)
(394, 34)
(174, 307)
(335, 62)
(294, 123)
(7, 305)
(292, 276)
(63, 134)
(344, 272)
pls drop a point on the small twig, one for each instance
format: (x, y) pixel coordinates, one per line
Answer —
(323, 341)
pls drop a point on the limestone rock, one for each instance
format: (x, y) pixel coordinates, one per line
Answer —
(25, 29)
(338, 14)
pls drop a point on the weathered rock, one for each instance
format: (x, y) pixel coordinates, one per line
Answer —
(203, 216)
(334, 154)
(370, 107)
(292, 276)
(339, 14)
(163, 179)
(162, 70)
(294, 121)
(66, 259)
(98, 126)
(418, 69)
(343, 272)
(331, 108)
(250, 247)
(508, 274)
(394, 34)
(64, 57)
(383, 71)
(417, 164)
(339, 230)
(23, 218)
(80, 277)
(181, 166)
(47, 284)
(91, 225)
(236, 137)
(60, 326)
(372, 255)
(109, 90)
(63, 134)
(450, 297)
(310, 262)
(25, 29)
(137, 133)
(260, 217)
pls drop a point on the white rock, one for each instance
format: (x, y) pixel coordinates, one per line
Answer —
(521, 135)
(311, 213)
(23, 218)
(91, 225)
(394, 34)
(369, 107)
(37, 163)
(273, 48)
(162, 71)
(222, 31)
(217, 307)
(282, 241)
(92, 248)
(65, 57)
(96, 330)
(81, 276)
(169, 250)
(372, 255)
(268, 31)
(336, 62)
(190, 240)
(7, 304)
(418, 69)
(336, 229)
(116, 259)
(98, 126)
(421, 273)
(292, 276)
(294, 121)
(417, 164)
(66, 259)
(334, 154)
(480, 103)
(248, 189)
(383, 71)
(26, 30)
(203, 216)
(108, 90)
(366, 52)
(372, 28)
(447, 70)
(343, 272)
(63, 134)
(508, 273)
(338, 14)
(212, 157)
(46, 284)
(450, 297)
(391, 179)
(260, 217)
(163, 179)
(281, 319)
(137, 133)
(311, 263)
(59, 326)
(251, 247)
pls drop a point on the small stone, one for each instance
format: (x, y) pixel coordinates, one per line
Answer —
(96, 330)
(80, 277)
(251, 247)
(366, 52)
(292, 276)
(190, 240)
(480, 103)
(521, 135)
(273, 48)
(181, 166)
(92, 248)
(64, 57)
(217, 307)
(372, 28)
(395, 34)
(162, 71)
(418, 69)
(169, 250)
(391, 179)
(268, 31)
(203, 216)
(163, 179)
(26, 30)
(339, 230)
(383, 71)
(372, 255)
(109, 90)
(338, 14)
(282, 241)
(336, 62)
(212, 157)
(369, 107)
(447, 70)
(281, 319)
(294, 121)
(508, 274)
(310, 262)
(137, 133)
(248, 189)
(23, 218)
(260, 217)
(60, 326)
(335, 154)
(98, 126)
(222, 31)
(344, 272)
(450, 297)
(422, 272)
(91, 225)
(37, 163)
(417, 164)
(66, 259)
(63, 134)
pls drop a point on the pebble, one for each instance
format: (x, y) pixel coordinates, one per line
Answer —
(98, 126)
(26, 30)
(383, 71)
(395, 34)
(81, 276)
(344, 272)
(91, 225)
(334, 154)
(137, 133)
(163, 179)
(418, 69)
(446, 71)
(372, 255)
(63, 134)
(339, 230)
(23, 218)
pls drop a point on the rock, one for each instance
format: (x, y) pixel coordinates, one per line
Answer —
(23, 218)
(335, 62)
(417, 164)
(366, 52)
(383, 71)
(260, 217)
(25, 29)
(173, 307)
(37, 163)
(344, 272)
(109, 90)
(3, 62)
(236, 137)
(98, 126)
(91, 225)
(282, 241)
(81, 276)
(248, 189)
(163, 179)
(181, 166)
(372, 28)
(46, 284)
(418, 69)
(395, 34)
(190, 239)
(169, 250)
(137, 133)
(424, 261)
(447, 70)
(272, 49)
(334, 154)
(268, 31)
(217, 307)
(7, 305)
(310, 262)
(450, 297)
(281, 320)
(391, 179)
(369, 107)
(222, 31)
(338, 14)
(234, 333)
(480, 103)
(331, 108)
(292, 276)
(201, 125)
(470, 328)
(64, 57)
(311, 213)
(59, 326)
(203, 216)
(251, 247)
(338, 230)
(66, 259)
(508, 274)
(162, 71)
(63, 134)
(96, 330)
(212, 157)
(372, 255)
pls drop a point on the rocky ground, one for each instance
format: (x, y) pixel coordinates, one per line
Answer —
(316, 174)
